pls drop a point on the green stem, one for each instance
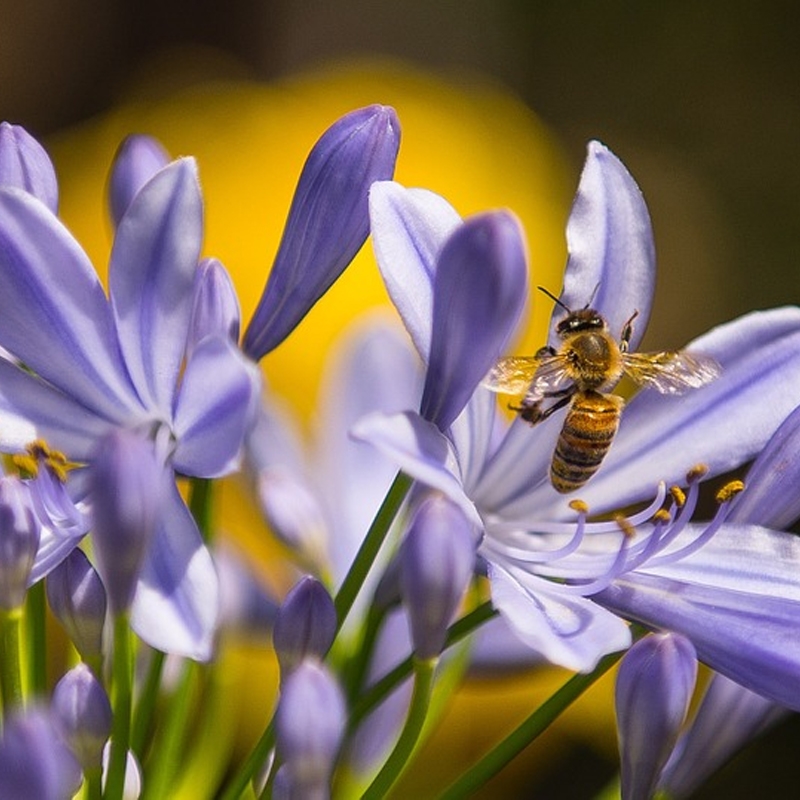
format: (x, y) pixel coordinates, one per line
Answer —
(166, 755)
(508, 749)
(200, 502)
(458, 631)
(122, 691)
(356, 668)
(36, 635)
(257, 757)
(146, 705)
(375, 537)
(10, 670)
(93, 783)
(424, 671)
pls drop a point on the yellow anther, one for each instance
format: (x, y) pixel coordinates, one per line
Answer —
(678, 495)
(625, 526)
(25, 464)
(662, 515)
(579, 506)
(39, 453)
(729, 491)
(697, 472)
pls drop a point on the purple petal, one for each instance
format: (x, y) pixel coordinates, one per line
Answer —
(770, 496)
(612, 263)
(19, 541)
(655, 682)
(478, 296)
(24, 164)
(32, 409)
(137, 160)
(215, 409)
(328, 221)
(420, 450)
(215, 310)
(151, 279)
(54, 315)
(566, 629)
(748, 637)
(176, 606)
(409, 227)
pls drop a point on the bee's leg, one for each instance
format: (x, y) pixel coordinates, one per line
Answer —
(627, 332)
(532, 412)
(546, 352)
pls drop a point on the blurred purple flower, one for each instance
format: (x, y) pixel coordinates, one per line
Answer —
(19, 541)
(85, 365)
(565, 584)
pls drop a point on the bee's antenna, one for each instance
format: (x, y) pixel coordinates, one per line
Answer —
(555, 299)
(594, 293)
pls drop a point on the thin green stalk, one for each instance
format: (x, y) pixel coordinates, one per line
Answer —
(424, 671)
(200, 502)
(10, 670)
(257, 757)
(93, 781)
(368, 551)
(122, 673)
(36, 636)
(146, 704)
(510, 747)
(458, 631)
(166, 756)
(356, 668)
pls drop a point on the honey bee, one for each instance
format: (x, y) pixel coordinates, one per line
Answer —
(579, 374)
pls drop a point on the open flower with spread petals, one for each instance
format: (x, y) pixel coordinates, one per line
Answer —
(566, 584)
(83, 364)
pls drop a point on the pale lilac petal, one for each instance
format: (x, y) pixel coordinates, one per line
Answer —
(611, 262)
(215, 409)
(137, 160)
(568, 630)
(54, 315)
(770, 496)
(496, 649)
(24, 163)
(479, 292)
(176, 606)
(54, 546)
(750, 638)
(215, 310)
(151, 279)
(661, 437)
(728, 718)
(32, 409)
(328, 221)
(409, 227)
(420, 450)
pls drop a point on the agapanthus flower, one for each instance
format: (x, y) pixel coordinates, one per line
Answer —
(83, 364)
(564, 583)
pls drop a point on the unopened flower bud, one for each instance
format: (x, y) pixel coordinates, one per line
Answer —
(328, 221)
(215, 307)
(438, 559)
(126, 481)
(82, 715)
(19, 541)
(25, 165)
(78, 600)
(137, 160)
(309, 724)
(655, 682)
(305, 625)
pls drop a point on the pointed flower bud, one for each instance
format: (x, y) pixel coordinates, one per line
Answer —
(24, 164)
(78, 600)
(137, 159)
(34, 762)
(309, 724)
(437, 562)
(215, 309)
(126, 482)
(82, 714)
(19, 541)
(328, 221)
(479, 292)
(305, 625)
(654, 686)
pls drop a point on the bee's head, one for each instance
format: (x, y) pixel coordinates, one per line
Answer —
(584, 319)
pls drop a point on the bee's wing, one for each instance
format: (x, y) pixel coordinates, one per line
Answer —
(532, 376)
(671, 372)
(512, 375)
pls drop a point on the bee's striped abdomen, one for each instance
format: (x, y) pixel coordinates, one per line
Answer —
(589, 429)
